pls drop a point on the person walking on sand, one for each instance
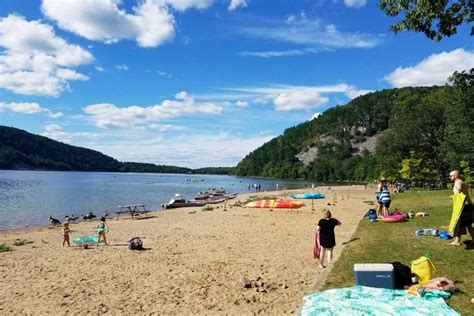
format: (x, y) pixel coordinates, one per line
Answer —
(467, 214)
(327, 237)
(101, 229)
(66, 234)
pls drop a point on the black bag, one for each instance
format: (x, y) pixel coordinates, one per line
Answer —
(135, 244)
(402, 275)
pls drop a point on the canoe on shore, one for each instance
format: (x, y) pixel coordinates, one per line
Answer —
(274, 204)
(316, 195)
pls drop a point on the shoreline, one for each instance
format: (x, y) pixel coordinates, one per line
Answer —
(194, 264)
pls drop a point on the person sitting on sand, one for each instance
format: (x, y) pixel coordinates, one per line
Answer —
(327, 237)
(101, 229)
(66, 234)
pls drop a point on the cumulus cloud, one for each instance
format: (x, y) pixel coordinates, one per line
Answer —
(433, 70)
(99, 69)
(151, 22)
(302, 99)
(293, 98)
(106, 115)
(234, 4)
(315, 115)
(28, 108)
(306, 31)
(56, 132)
(355, 3)
(35, 61)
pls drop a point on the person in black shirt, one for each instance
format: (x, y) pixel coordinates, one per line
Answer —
(327, 238)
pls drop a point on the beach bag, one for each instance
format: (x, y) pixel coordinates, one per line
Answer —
(371, 214)
(402, 275)
(423, 268)
(135, 244)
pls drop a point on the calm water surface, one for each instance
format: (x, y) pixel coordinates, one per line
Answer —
(28, 198)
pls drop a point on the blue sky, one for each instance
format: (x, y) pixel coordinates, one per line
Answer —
(199, 83)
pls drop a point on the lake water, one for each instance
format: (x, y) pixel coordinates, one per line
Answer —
(28, 198)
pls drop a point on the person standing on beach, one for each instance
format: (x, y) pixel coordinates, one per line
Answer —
(327, 237)
(66, 234)
(380, 186)
(467, 214)
(101, 229)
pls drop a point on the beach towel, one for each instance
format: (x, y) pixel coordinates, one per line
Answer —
(361, 300)
(317, 246)
(458, 205)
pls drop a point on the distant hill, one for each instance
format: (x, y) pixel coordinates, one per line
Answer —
(414, 134)
(22, 150)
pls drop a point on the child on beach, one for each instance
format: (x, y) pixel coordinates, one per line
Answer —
(385, 200)
(66, 234)
(327, 238)
(101, 229)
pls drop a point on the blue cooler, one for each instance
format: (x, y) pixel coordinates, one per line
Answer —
(381, 275)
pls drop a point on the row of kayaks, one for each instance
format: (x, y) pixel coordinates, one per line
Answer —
(216, 197)
(178, 201)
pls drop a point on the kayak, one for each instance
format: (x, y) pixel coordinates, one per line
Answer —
(90, 239)
(309, 196)
(275, 204)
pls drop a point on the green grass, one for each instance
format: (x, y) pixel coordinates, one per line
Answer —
(386, 242)
(4, 248)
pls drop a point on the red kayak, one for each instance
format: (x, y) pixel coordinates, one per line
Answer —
(275, 204)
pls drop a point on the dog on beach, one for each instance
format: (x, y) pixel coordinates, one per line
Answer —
(88, 216)
(54, 221)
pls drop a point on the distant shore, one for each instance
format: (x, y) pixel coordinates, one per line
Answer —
(194, 261)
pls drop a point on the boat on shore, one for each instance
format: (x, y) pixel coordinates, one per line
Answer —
(179, 201)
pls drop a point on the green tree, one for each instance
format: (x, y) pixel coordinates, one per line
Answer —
(436, 19)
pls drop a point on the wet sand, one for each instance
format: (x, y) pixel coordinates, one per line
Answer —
(193, 263)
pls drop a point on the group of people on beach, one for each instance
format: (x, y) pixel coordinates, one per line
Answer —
(101, 229)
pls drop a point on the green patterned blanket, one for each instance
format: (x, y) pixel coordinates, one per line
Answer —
(361, 300)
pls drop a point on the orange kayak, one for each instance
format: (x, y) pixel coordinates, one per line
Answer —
(275, 204)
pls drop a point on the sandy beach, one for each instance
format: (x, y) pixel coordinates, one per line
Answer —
(193, 264)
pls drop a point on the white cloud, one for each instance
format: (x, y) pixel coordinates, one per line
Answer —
(28, 108)
(292, 98)
(56, 132)
(150, 24)
(241, 104)
(355, 3)
(234, 4)
(99, 69)
(315, 115)
(283, 53)
(433, 70)
(299, 100)
(164, 74)
(122, 67)
(305, 31)
(35, 61)
(106, 115)
(187, 150)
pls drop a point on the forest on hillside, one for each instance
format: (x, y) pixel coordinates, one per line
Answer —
(421, 134)
(22, 150)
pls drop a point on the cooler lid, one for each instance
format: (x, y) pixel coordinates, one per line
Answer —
(373, 267)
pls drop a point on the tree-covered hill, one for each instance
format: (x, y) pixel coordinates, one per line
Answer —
(22, 150)
(420, 133)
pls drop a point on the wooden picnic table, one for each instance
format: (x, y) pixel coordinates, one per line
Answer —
(133, 210)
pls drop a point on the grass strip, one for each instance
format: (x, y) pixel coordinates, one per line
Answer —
(387, 242)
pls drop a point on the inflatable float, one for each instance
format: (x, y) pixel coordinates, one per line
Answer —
(394, 218)
(274, 204)
(91, 239)
(458, 205)
(309, 196)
